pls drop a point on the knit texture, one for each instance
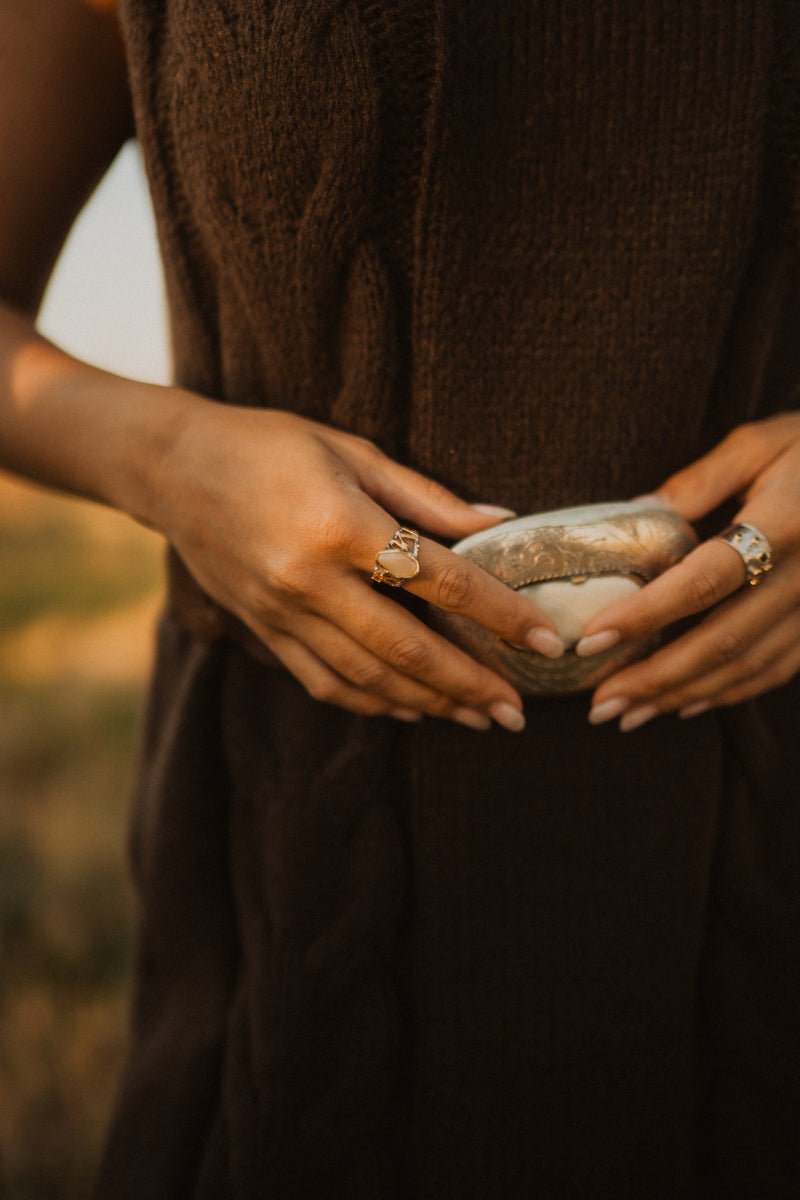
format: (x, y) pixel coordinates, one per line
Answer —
(547, 253)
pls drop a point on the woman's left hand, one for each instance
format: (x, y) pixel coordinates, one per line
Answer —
(749, 641)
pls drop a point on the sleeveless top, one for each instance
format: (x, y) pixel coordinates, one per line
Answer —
(546, 253)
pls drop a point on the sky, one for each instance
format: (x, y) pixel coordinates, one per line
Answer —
(105, 302)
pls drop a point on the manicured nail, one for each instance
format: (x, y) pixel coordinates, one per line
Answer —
(657, 498)
(405, 714)
(545, 642)
(595, 643)
(491, 510)
(694, 710)
(637, 716)
(507, 716)
(471, 718)
(608, 710)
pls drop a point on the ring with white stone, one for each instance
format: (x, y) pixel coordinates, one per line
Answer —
(752, 547)
(399, 562)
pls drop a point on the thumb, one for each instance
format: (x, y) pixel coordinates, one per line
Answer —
(727, 470)
(414, 498)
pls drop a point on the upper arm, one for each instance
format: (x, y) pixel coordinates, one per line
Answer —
(64, 113)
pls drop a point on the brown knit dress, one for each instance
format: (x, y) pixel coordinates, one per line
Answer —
(545, 251)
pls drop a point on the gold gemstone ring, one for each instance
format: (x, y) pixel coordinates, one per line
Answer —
(399, 562)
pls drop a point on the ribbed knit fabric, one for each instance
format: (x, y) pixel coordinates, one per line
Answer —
(546, 252)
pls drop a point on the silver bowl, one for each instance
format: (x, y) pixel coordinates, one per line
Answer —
(571, 562)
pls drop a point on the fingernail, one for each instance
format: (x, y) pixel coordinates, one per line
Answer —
(595, 643)
(405, 714)
(608, 710)
(652, 498)
(507, 716)
(491, 510)
(637, 716)
(694, 710)
(471, 718)
(544, 641)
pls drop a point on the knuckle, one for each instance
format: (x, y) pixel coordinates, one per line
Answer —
(741, 435)
(455, 588)
(752, 442)
(411, 655)
(748, 438)
(326, 690)
(257, 598)
(372, 452)
(368, 677)
(728, 647)
(334, 533)
(701, 590)
(364, 445)
(292, 580)
(755, 664)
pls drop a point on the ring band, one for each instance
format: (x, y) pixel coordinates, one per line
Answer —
(753, 548)
(399, 562)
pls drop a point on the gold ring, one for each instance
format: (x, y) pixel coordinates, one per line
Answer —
(752, 547)
(399, 562)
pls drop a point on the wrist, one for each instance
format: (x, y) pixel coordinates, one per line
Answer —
(141, 472)
(116, 438)
(79, 429)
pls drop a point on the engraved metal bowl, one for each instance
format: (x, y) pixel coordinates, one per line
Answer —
(572, 562)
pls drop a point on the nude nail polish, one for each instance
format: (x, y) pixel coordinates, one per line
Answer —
(596, 643)
(657, 498)
(694, 710)
(636, 717)
(545, 642)
(471, 719)
(492, 510)
(506, 715)
(608, 710)
(405, 714)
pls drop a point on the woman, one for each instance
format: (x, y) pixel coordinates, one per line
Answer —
(542, 257)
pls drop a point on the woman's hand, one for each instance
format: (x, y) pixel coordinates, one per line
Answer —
(749, 641)
(279, 520)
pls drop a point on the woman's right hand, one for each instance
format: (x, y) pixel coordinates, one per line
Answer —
(279, 519)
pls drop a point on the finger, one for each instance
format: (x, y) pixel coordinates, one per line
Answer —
(768, 658)
(781, 671)
(369, 673)
(411, 648)
(709, 574)
(456, 585)
(319, 680)
(324, 684)
(718, 654)
(716, 643)
(730, 467)
(421, 500)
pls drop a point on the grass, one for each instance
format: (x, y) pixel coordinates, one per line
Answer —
(78, 596)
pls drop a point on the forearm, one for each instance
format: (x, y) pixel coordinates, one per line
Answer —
(64, 113)
(74, 427)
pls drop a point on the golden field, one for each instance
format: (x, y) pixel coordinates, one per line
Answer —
(79, 593)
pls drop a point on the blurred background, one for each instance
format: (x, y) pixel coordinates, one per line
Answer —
(79, 593)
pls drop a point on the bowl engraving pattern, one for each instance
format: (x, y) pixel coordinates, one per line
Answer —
(628, 539)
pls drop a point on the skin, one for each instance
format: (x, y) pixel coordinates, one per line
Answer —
(749, 641)
(279, 518)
